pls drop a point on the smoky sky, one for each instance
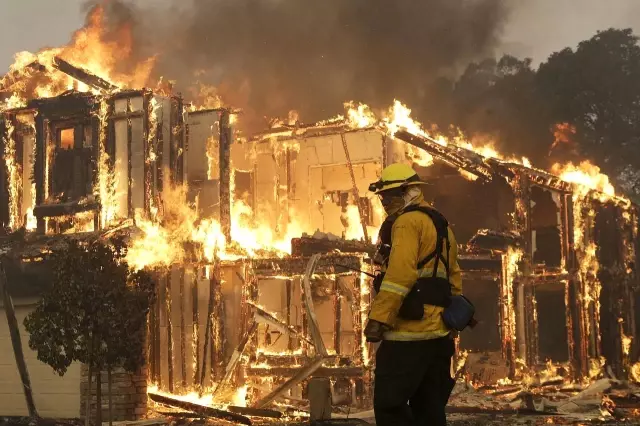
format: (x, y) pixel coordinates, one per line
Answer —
(272, 56)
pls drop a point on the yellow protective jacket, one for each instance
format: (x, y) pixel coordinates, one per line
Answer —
(413, 238)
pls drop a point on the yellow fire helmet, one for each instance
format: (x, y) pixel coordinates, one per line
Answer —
(396, 175)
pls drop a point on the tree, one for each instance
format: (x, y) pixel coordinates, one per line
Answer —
(95, 312)
(498, 100)
(596, 88)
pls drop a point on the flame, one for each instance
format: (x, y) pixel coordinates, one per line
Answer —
(205, 96)
(152, 149)
(96, 48)
(510, 261)
(418, 156)
(353, 230)
(586, 251)
(32, 222)
(240, 397)
(207, 399)
(563, 134)
(596, 367)
(398, 117)
(163, 239)
(607, 406)
(193, 397)
(14, 175)
(107, 179)
(212, 158)
(586, 175)
(461, 360)
(635, 372)
(626, 344)
(359, 116)
(80, 222)
(365, 302)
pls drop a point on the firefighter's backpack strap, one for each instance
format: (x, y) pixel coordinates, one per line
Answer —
(442, 230)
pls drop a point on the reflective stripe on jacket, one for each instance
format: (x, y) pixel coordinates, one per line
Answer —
(413, 238)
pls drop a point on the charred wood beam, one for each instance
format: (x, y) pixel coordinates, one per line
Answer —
(314, 328)
(539, 279)
(183, 332)
(199, 409)
(207, 331)
(354, 188)
(195, 329)
(288, 359)
(333, 372)
(147, 146)
(65, 209)
(170, 359)
(573, 297)
(68, 106)
(385, 147)
(267, 317)
(290, 188)
(532, 323)
(289, 301)
(301, 375)
(525, 316)
(469, 264)
(96, 146)
(159, 164)
(337, 309)
(225, 174)
(489, 239)
(173, 122)
(40, 167)
(158, 311)
(307, 246)
(130, 209)
(217, 327)
(296, 266)
(4, 177)
(236, 357)
(480, 276)
(180, 414)
(541, 178)
(182, 140)
(506, 316)
(461, 159)
(82, 75)
(151, 348)
(255, 412)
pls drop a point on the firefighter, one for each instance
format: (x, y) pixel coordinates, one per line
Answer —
(418, 256)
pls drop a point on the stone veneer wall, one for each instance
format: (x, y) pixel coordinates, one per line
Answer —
(129, 394)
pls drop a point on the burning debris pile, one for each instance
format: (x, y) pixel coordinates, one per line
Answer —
(261, 245)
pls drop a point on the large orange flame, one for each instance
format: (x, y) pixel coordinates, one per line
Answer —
(97, 49)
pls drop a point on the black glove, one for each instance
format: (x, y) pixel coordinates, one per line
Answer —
(375, 330)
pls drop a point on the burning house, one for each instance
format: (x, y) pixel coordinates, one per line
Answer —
(257, 242)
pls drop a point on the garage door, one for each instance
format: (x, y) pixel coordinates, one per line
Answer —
(54, 396)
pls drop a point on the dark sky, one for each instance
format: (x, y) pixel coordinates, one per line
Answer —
(535, 29)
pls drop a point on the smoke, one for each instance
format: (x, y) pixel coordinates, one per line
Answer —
(272, 56)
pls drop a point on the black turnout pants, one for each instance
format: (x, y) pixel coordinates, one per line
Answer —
(413, 382)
